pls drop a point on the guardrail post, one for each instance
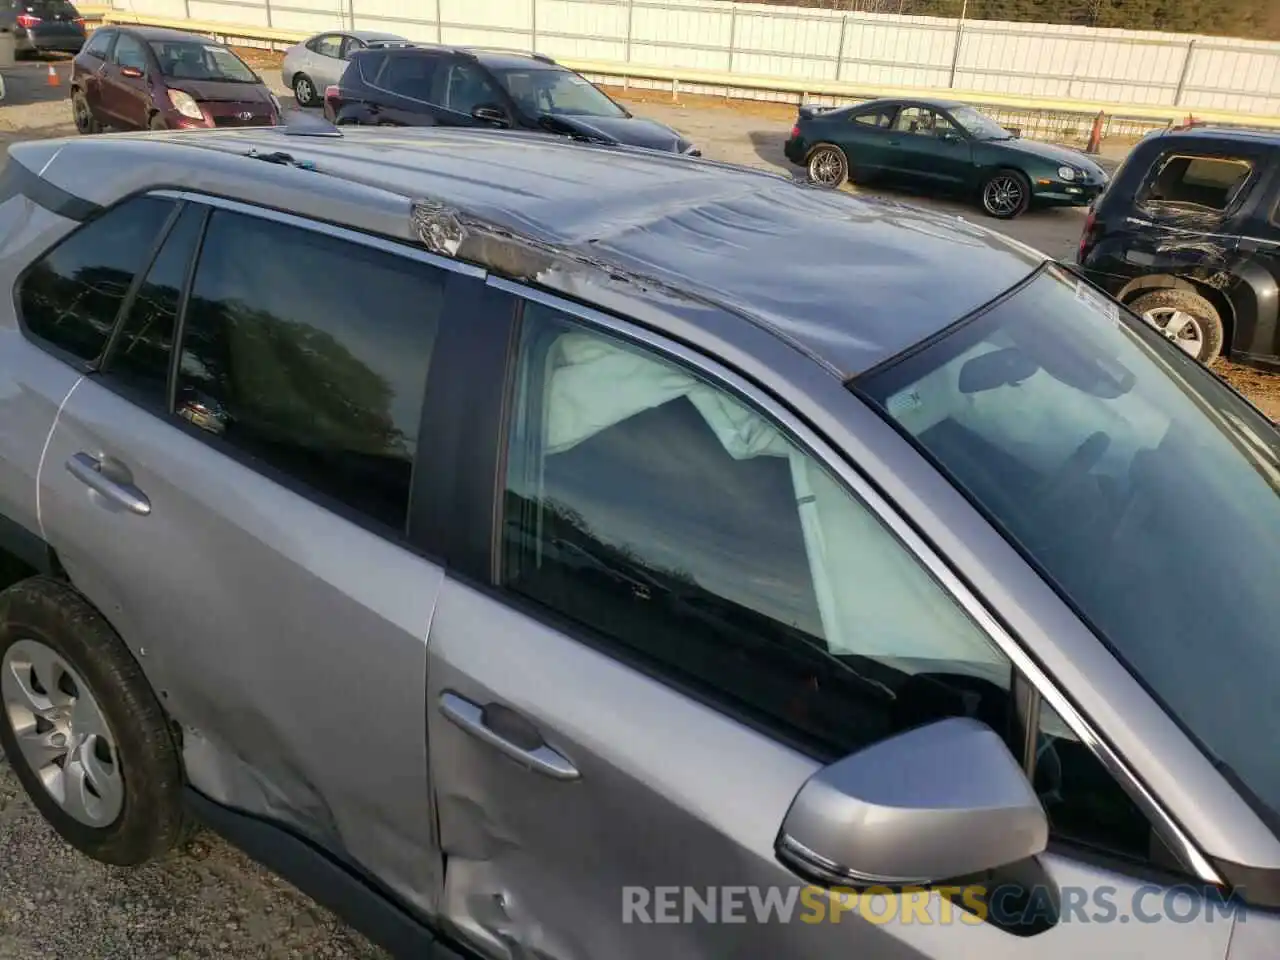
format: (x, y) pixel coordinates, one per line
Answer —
(844, 30)
(631, 12)
(955, 54)
(733, 30)
(1186, 71)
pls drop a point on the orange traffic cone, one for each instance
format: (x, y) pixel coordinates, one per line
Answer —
(53, 77)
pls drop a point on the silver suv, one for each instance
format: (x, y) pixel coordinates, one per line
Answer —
(538, 550)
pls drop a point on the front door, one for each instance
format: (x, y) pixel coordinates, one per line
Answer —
(928, 149)
(237, 506)
(687, 615)
(126, 100)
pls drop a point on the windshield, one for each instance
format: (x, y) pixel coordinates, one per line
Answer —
(979, 125)
(1145, 490)
(556, 92)
(197, 60)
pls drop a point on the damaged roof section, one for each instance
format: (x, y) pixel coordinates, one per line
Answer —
(848, 280)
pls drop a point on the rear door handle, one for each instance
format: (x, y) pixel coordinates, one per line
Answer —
(88, 470)
(508, 732)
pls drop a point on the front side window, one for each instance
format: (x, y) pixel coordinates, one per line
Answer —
(130, 52)
(554, 91)
(921, 121)
(689, 531)
(1181, 183)
(201, 60)
(465, 87)
(71, 295)
(317, 373)
(1145, 491)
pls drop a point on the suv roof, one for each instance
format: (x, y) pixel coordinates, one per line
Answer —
(1254, 134)
(661, 238)
(489, 56)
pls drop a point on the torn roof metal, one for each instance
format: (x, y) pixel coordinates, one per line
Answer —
(850, 281)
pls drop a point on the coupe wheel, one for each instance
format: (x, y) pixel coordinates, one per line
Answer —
(1187, 319)
(1007, 194)
(828, 166)
(304, 91)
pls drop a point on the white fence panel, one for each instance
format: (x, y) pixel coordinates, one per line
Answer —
(797, 43)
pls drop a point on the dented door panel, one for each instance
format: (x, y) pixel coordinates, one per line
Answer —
(662, 846)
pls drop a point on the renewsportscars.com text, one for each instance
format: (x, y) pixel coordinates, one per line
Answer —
(935, 905)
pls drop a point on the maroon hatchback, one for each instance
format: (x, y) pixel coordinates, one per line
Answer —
(139, 78)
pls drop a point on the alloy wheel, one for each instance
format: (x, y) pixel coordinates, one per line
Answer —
(303, 91)
(1002, 195)
(1185, 330)
(62, 733)
(826, 168)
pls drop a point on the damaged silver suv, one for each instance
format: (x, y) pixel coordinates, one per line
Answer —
(537, 549)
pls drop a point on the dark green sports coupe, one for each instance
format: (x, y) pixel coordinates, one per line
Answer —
(945, 145)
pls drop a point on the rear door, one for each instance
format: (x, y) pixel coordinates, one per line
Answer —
(238, 507)
(864, 135)
(324, 60)
(402, 90)
(679, 612)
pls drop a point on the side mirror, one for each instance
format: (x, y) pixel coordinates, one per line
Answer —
(133, 72)
(489, 113)
(936, 803)
(950, 136)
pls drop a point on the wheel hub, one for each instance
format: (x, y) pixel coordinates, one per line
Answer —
(61, 732)
(1179, 327)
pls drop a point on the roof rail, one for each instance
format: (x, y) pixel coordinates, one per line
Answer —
(522, 53)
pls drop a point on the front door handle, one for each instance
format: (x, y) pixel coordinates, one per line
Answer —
(507, 731)
(88, 470)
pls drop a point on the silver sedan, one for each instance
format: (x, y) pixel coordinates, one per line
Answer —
(319, 61)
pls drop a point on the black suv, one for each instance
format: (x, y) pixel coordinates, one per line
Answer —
(468, 86)
(1188, 235)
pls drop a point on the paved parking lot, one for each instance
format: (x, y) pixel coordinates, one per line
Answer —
(209, 901)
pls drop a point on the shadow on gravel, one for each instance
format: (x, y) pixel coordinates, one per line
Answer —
(768, 147)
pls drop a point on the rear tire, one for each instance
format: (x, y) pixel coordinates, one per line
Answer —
(1187, 319)
(827, 166)
(304, 91)
(77, 713)
(83, 115)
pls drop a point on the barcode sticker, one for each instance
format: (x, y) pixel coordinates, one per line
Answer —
(1095, 301)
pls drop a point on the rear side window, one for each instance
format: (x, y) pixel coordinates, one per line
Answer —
(1211, 183)
(318, 374)
(330, 46)
(874, 118)
(70, 297)
(409, 76)
(139, 356)
(369, 64)
(100, 43)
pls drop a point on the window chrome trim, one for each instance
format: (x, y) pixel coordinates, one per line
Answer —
(1170, 830)
(399, 248)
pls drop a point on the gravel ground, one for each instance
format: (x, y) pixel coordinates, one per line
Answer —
(206, 902)
(209, 901)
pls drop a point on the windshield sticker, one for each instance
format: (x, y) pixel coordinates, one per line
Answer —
(904, 402)
(1090, 298)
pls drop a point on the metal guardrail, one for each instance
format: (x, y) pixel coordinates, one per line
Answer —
(691, 80)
